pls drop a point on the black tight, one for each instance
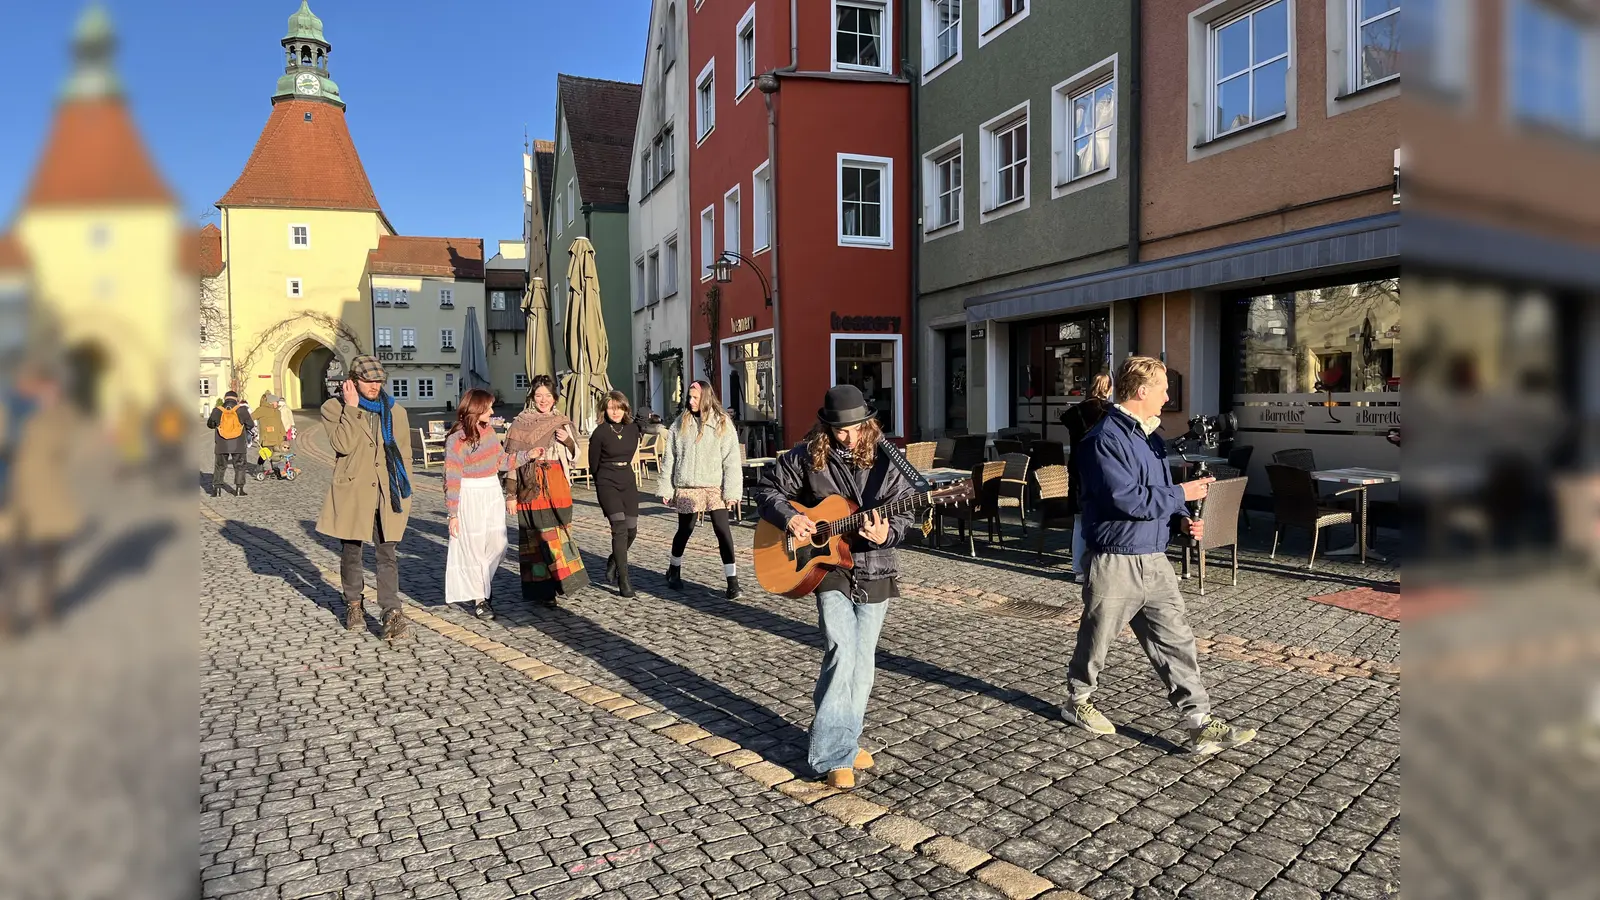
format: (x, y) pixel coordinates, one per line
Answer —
(623, 530)
(719, 524)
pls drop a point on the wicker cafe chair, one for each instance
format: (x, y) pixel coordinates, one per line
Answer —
(968, 451)
(1047, 453)
(1004, 447)
(1221, 516)
(1014, 487)
(921, 455)
(1295, 504)
(983, 505)
(943, 449)
(1298, 458)
(646, 457)
(579, 468)
(1052, 504)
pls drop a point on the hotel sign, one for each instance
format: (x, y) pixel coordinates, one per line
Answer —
(391, 356)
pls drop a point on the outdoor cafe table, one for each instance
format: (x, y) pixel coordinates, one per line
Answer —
(752, 466)
(1361, 479)
(938, 478)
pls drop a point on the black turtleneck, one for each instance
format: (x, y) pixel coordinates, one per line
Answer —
(612, 443)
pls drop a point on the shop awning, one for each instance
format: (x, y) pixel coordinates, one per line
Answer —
(1313, 252)
(1489, 251)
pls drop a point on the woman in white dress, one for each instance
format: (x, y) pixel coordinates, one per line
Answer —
(476, 503)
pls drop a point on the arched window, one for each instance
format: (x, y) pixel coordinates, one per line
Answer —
(305, 56)
(322, 61)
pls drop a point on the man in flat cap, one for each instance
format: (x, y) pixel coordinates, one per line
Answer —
(370, 498)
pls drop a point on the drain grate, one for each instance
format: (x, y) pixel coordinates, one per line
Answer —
(1031, 609)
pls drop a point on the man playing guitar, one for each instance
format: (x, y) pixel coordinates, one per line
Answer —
(841, 456)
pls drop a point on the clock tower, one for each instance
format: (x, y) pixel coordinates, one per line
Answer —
(305, 72)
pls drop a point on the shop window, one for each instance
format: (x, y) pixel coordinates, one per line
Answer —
(497, 300)
(750, 390)
(870, 365)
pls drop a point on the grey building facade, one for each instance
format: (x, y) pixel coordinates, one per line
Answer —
(1023, 113)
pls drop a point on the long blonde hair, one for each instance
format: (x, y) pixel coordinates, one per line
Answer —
(711, 412)
(863, 453)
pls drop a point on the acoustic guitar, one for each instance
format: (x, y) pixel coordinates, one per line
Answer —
(795, 568)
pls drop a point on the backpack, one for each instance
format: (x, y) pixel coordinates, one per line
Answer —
(229, 426)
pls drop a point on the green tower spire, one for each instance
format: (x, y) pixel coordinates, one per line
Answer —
(305, 71)
(93, 44)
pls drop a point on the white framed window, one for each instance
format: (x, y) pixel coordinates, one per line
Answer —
(447, 297)
(669, 286)
(861, 30)
(497, 300)
(647, 172)
(402, 296)
(761, 208)
(561, 203)
(408, 339)
(871, 362)
(942, 181)
(941, 36)
(1083, 128)
(380, 296)
(424, 388)
(400, 388)
(1554, 68)
(731, 220)
(705, 100)
(522, 382)
(385, 337)
(652, 277)
(996, 17)
(205, 387)
(572, 200)
(745, 42)
(1375, 37)
(708, 241)
(1248, 60)
(666, 154)
(1003, 163)
(1436, 35)
(866, 197)
(640, 298)
(447, 339)
(295, 288)
(300, 237)
(669, 38)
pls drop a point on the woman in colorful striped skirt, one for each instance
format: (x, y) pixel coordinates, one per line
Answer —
(539, 446)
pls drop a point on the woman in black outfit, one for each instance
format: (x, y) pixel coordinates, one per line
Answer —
(611, 451)
(1079, 419)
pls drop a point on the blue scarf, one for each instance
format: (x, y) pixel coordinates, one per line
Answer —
(399, 481)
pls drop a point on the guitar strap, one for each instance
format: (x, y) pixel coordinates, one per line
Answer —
(893, 454)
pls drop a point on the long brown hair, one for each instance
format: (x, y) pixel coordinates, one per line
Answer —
(711, 412)
(473, 404)
(621, 400)
(863, 453)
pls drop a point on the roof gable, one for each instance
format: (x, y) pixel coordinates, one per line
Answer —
(94, 155)
(450, 257)
(209, 240)
(304, 159)
(600, 117)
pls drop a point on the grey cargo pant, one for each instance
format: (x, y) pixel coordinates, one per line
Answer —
(1141, 591)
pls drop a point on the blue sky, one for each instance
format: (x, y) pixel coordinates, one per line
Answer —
(438, 92)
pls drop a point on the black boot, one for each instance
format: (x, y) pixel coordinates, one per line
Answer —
(674, 578)
(733, 588)
(611, 570)
(624, 585)
(238, 489)
(481, 609)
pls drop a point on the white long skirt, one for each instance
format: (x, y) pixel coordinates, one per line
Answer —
(480, 544)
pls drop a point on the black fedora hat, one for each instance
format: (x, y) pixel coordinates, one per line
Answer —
(844, 406)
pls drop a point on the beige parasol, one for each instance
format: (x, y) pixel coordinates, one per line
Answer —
(588, 350)
(537, 354)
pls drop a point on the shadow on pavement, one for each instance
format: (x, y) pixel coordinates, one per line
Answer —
(128, 555)
(269, 554)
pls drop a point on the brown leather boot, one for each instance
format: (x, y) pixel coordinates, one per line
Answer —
(842, 779)
(353, 618)
(394, 625)
(863, 760)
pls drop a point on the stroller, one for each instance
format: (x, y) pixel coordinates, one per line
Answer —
(277, 463)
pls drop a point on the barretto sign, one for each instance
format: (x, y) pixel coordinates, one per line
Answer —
(865, 323)
(1368, 413)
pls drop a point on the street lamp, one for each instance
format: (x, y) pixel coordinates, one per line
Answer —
(722, 271)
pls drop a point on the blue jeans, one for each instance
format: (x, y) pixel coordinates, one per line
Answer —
(850, 631)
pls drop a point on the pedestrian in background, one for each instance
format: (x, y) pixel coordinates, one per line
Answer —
(232, 423)
(370, 497)
(540, 444)
(701, 472)
(39, 514)
(476, 503)
(1079, 419)
(612, 448)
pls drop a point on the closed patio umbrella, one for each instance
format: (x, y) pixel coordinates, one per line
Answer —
(588, 349)
(538, 356)
(474, 358)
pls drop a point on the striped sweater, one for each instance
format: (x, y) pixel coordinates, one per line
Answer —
(462, 459)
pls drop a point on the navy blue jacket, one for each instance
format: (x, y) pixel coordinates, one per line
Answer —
(1129, 499)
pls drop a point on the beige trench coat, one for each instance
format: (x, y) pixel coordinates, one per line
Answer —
(360, 476)
(42, 507)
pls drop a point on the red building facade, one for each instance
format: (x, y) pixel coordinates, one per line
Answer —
(809, 181)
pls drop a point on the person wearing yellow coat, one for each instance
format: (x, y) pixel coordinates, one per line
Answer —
(38, 512)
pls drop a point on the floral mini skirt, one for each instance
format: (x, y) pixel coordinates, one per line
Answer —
(688, 501)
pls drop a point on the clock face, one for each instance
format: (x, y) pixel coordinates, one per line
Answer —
(308, 84)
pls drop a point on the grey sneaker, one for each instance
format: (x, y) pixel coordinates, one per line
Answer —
(1216, 736)
(1084, 714)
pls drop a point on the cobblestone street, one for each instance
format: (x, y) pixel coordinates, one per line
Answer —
(656, 746)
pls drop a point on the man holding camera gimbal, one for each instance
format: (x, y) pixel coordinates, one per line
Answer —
(1129, 504)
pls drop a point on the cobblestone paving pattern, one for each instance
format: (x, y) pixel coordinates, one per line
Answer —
(963, 715)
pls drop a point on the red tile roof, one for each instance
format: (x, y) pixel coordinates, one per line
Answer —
(94, 155)
(458, 257)
(601, 116)
(13, 257)
(304, 164)
(209, 247)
